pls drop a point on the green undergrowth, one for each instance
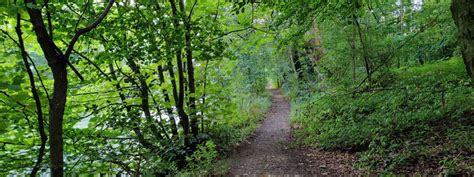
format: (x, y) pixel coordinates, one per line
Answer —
(236, 126)
(421, 116)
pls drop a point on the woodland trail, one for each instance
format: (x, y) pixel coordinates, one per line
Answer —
(268, 153)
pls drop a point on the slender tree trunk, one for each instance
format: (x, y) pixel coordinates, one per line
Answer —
(463, 13)
(161, 76)
(181, 158)
(181, 82)
(34, 92)
(180, 105)
(173, 81)
(135, 126)
(365, 52)
(204, 95)
(290, 54)
(402, 13)
(297, 63)
(401, 16)
(144, 96)
(353, 55)
(190, 70)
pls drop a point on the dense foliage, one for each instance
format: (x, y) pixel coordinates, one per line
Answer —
(155, 88)
(385, 81)
(167, 87)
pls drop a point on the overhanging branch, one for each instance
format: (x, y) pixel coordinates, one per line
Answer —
(87, 29)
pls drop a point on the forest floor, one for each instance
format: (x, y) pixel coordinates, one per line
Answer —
(270, 150)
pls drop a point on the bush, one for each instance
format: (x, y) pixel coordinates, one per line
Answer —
(201, 161)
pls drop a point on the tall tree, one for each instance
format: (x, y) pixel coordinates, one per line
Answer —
(184, 118)
(190, 66)
(58, 62)
(463, 15)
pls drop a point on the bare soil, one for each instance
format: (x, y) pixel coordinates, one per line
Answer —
(268, 152)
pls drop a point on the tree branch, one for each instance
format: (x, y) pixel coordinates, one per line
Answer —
(87, 29)
(48, 17)
(243, 29)
(8, 95)
(9, 36)
(31, 60)
(39, 77)
(191, 11)
(90, 62)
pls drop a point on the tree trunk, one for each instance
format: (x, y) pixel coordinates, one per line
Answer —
(204, 94)
(57, 63)
(180, 104)
(34, 92)
(402, 13)
(353, 55)
(169, 110)
(56, 114)
(135, 124)
(365, 52)
(144, 96)
(463, 15)
(401, 16)
(297, 63)
(173, 80)
(190, 68)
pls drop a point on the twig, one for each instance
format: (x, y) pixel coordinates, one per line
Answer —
(191, 11)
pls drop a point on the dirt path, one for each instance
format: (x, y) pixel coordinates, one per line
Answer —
(267, 153)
